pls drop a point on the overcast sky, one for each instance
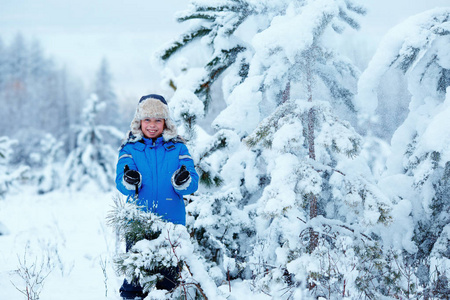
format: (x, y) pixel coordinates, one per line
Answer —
(79, 33)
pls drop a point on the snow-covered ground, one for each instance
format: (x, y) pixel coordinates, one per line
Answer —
(63, 234)
(62, 238)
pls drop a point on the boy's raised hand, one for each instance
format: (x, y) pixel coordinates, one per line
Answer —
(181, 176)
(132, 177)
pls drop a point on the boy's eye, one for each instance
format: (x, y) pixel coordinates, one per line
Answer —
(154, 120)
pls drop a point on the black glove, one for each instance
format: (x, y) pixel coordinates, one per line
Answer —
(181, 176)
(131, 176)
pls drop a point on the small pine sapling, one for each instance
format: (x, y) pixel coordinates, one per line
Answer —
(158, 247)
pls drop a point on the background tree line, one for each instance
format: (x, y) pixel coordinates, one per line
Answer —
(39, 97)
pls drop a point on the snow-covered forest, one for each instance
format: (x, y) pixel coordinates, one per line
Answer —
(321, 177)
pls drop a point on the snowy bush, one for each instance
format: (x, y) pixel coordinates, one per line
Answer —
(223, 233)
(159, 245)
(28, 150)
(49, 179)
(8, 175)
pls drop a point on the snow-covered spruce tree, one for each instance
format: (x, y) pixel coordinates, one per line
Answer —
(8, 175)
(286, 59)
(316, 216)
(218, 217)
(418, 169)
(49, 179)
(328, 251)
(159, 245)
(92, 160)
(214, 24)
(218, 225)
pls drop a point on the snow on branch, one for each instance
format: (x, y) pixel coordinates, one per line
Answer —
(418, 47)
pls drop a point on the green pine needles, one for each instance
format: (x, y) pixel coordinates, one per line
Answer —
(155, 248)
(153, 241)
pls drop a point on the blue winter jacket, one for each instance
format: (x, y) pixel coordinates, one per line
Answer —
(157, 161)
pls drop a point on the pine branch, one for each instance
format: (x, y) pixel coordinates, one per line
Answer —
(215, 67)
(361, 10)
(349, 20)
(197, 15)
(337, 91)
(184, 40)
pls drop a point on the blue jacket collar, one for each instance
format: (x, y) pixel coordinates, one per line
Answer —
(144, 142)
(159, 141)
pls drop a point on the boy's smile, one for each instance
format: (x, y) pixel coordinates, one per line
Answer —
(152, 128)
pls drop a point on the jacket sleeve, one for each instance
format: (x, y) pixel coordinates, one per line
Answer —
(191, 185)
(125, 158)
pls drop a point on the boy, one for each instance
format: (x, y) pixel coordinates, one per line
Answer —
(155, 165)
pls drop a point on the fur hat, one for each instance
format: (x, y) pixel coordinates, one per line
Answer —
(152, 106)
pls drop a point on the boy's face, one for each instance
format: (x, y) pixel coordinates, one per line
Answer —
(152, 128)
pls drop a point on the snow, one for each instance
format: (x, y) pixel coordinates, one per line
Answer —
(416, 33)
(243, 106)
(401, 233)
(258, 226)
(67, 232)
(185, 102)
(281, 196)
(436, 136)
(271, 39)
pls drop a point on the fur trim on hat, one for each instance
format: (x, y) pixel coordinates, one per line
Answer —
(151, 108)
